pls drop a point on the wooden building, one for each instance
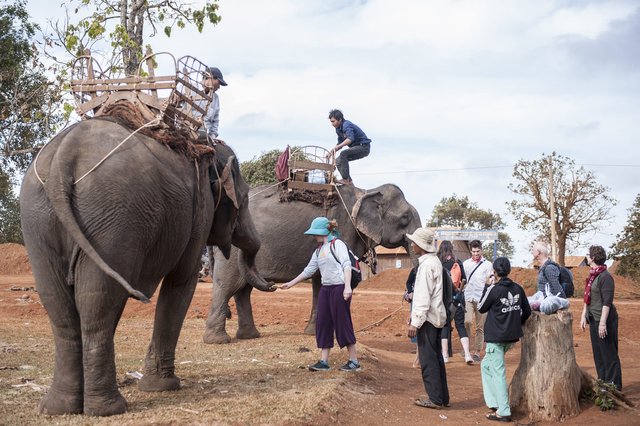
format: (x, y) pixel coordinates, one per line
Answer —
(396, 258)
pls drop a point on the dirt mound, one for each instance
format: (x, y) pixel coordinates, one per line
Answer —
(14, 260)
(389, 279)
(528, 278)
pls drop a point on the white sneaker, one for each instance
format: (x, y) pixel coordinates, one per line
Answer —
(468, 359)
(446, 359)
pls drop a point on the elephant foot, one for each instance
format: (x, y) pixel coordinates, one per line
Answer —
(310, 329)
(216, 338)
(56, 403)
(152, 382)
(105, 406)
(248, 333)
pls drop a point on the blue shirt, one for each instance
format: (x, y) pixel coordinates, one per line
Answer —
(212, 118)
(350, 131)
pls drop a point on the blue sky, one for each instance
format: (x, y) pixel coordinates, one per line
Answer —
(436, 85)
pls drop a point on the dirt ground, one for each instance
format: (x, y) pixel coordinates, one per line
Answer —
(265, 380)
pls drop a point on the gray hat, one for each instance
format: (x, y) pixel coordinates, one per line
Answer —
(423, 237)
(217, 74)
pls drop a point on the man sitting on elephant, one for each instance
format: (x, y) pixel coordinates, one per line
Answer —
(348, 135)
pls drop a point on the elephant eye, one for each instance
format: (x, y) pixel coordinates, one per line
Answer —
(404, 219)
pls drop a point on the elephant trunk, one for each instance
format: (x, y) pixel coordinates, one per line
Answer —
(248, 269)
(245, 237)
(407, 246)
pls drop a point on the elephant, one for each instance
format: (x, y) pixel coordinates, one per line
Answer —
(107, 214)
(379, 216)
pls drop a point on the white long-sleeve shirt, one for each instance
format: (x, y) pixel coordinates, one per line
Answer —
(427, 293)
(331, 271)
(475, 284)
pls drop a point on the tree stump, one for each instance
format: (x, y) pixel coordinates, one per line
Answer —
(548, 382)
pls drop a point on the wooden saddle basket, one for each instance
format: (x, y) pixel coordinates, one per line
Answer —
(178, 99)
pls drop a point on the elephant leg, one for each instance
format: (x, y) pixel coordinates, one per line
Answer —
(100, 302)
(174, 299)
(215, 327)
(311, 325)
(66, 393)
(246, 325)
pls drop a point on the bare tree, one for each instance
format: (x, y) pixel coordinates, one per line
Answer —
(581, 203)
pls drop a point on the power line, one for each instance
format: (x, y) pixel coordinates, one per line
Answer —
(435, 170)
(458, 169)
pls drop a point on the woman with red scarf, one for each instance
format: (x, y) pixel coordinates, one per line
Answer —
(602, 317)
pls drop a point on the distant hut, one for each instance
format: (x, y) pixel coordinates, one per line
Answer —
(395, 258)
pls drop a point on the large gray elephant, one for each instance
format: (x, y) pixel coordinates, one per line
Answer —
(99, 235)
(365, 219)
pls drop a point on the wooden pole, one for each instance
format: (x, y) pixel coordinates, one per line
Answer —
(151, 70)
(552, 210)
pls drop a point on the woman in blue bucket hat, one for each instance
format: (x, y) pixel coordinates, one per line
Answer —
(334, 299)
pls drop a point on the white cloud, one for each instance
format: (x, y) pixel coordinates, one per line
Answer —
(587, 20)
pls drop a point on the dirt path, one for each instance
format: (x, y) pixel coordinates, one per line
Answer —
(248, 382)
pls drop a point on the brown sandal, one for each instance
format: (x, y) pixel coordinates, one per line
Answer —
(426, 403)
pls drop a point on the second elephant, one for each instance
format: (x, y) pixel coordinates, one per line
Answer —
(379, 216)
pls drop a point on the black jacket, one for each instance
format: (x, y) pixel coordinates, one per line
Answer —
(508, 308)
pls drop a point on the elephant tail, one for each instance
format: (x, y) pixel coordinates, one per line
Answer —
(59, 188)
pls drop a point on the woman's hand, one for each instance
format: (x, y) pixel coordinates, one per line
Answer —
(583, 322)
(287, 286)
(602, 330)
(347, 293)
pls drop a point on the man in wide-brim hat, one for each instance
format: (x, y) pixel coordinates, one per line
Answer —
(428, 316)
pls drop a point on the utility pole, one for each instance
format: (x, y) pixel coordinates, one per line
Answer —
(552, 210)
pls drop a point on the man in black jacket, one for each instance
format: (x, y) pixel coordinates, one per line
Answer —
(507, 310)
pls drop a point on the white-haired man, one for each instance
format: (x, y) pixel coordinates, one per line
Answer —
(549, 272)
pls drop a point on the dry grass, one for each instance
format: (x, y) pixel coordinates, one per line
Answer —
(261, 381)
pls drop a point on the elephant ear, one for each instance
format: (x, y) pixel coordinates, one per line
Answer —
(228, 183)
(368, 215)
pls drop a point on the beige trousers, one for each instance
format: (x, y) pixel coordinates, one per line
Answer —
(473, 319)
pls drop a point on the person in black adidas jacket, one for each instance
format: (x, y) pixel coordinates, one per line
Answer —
(507, 310)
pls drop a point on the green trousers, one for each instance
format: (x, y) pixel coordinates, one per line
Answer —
(494, 378)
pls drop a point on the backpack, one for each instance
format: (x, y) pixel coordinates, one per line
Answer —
(566, 279)
(456, 275)
(356, 274)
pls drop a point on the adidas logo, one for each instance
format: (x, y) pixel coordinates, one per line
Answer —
(510, 303)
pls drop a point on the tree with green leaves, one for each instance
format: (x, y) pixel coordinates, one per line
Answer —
(119, 26)
(260, 169)
(28, 100)
(626, 249)
(29, 109)
(581, 203)
(10, 230)
(460, 212)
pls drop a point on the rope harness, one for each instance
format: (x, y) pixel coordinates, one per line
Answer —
(151, 123)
